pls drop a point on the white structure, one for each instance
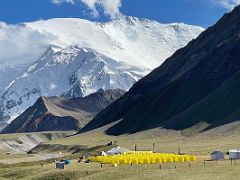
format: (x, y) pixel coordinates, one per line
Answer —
(217, 155)
(117, 150)
(103, 153)
(234, 154)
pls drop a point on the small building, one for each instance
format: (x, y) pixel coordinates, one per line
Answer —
(217, 155)
(60, 165)
(234, 154)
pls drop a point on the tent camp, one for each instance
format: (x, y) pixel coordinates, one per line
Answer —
(117, 150)
(217, 155)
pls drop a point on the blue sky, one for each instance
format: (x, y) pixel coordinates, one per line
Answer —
(198, 12)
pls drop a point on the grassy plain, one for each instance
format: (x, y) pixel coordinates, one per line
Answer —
(222, 170)
(200, 145)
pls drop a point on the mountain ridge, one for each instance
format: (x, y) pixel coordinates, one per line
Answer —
(71, 72)
(184, 79)
(61, 113)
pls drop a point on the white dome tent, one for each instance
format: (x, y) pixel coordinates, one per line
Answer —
(117, 150)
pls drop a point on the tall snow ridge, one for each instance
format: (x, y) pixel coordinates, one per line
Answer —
(84, 57)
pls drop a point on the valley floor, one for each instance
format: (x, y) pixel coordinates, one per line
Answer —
(165, 141)
(222, 170)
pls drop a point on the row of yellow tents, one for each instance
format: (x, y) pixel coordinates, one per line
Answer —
(142, 158)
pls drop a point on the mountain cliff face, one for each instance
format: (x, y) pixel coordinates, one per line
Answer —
(71, 72)
(59, 113)
(85, 57)
(198, 85)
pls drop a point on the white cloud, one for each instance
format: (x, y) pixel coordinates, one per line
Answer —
(20, 44)
(228, 4)
(58, 2)
(110, 7)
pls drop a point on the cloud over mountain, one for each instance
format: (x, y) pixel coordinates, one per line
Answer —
(228, 4)
(110, 7)
(16, 40)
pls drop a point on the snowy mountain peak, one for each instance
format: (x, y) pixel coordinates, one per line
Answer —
(80, 57)
(70, 72)
(127, 38)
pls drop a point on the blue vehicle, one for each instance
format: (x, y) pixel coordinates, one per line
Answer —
(66, 162)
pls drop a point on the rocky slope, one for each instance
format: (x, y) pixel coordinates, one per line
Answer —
(196, 87)
(59, 113)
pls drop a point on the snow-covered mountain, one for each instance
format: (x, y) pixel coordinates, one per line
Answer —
(70, 72)
(83, 57)
(132, 40)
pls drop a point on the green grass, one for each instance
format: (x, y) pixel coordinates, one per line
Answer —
(166, 141)
(222, 170)
(10, 137)
(3, 155)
